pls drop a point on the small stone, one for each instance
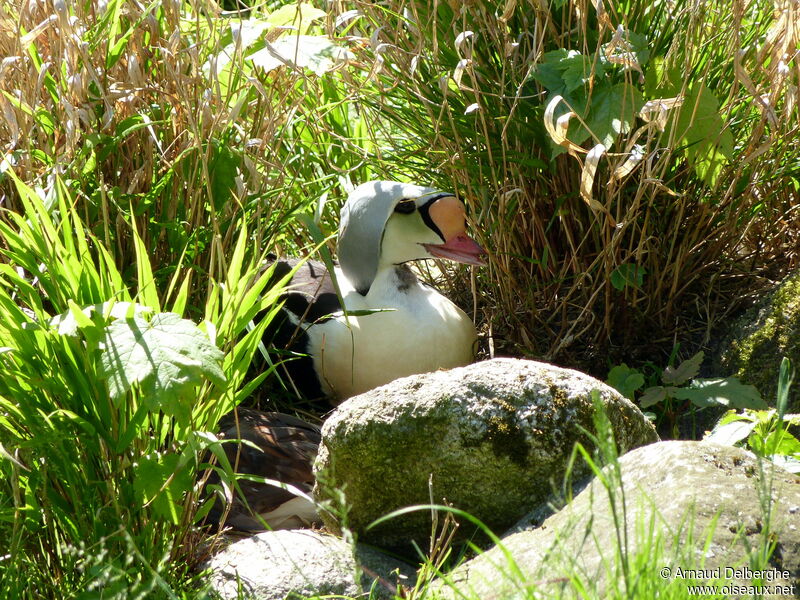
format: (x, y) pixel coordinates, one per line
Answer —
(276, 564)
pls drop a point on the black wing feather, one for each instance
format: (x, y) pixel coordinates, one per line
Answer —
(310, 299)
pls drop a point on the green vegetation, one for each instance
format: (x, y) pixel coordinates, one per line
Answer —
(107, 403)
(682, 390)
(632, 171)
(765, 432)
(762, 336)
(598, 250)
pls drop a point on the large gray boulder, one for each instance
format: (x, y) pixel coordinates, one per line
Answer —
(492, 438)
(274, 565)
(675, 498)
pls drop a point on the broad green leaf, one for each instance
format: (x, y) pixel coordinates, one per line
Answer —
(79, 318)
(160, 481)
(46, 121)
(578, 71)
(245, 34)
(167, 356)
(785, 376)
(129, 125)
(637, 44)
(625, 380)
(628, 275)
(710, 157)
(787, 463)
(721, 392)
(774, 442)
(653, 396)
(297, 16)
(783, 442)
(68, 323)
(732, 416)
(697, 126)
(684, 371)
(700, 130)
(222, 166)
(640, 46)
(316, 53)
(125, 128)
(563, 71)
(730, 434)
(609, 111)
(612, 111)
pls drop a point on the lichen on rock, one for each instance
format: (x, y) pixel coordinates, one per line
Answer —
(493, 439)
(756, 343)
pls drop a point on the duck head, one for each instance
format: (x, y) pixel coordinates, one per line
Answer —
(386, 223)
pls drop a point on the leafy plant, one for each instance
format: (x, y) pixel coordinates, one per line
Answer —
(609, 164)
(627, 275)
(172, 121)
(106, 404)
(682, 383)
(765, 432)
(141, 179)
(625, 380)
(594, 90)
(759, 431)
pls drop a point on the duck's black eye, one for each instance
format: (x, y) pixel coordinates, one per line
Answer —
(406, 206)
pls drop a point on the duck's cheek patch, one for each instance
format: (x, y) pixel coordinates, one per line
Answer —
(449, 216)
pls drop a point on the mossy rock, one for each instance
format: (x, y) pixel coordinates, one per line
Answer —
(755, 344)
(693, 505)
(493, 438)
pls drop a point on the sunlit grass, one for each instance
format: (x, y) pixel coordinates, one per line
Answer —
(134, 173)
(657, 255)
(148, 168)
(150, 127)
(100, 482)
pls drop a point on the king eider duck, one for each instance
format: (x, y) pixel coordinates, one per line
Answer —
(279, 447)
(384, 226)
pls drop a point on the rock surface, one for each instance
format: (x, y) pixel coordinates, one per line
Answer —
(673, 492)
(756, 342)
(493, 438)
(299, 563)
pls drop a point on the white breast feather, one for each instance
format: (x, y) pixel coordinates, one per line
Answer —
(423, 333)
